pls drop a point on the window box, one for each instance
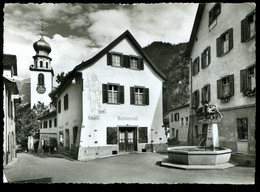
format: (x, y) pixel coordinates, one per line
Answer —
(225, 88)
(247, 81)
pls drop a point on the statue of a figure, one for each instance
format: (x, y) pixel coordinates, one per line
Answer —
(211, 110)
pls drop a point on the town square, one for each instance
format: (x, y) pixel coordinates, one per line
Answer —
(161, 93)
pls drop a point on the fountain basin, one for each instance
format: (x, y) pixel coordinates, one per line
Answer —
(193, 155)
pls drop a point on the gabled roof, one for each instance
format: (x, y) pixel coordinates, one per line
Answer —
(180, 107)
(130, 37)
(194, 29)
(104, 51)
(10, 61)
(48, 115)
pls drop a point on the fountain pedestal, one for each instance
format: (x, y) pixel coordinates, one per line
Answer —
(212, 136)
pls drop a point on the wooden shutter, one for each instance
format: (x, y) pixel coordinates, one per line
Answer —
(121, 60)
(126, 61)
(230, 32)
(141, 63)
(121, 95)
(104, 92)
(203, 60)
(208, 93)
(198, 64)
(244, 30)
(243, 80)
(193, 99)
(112, 135)
(218, 44)
(231, 84)
(210, 16)
(109, 59)
(132, 95)
(203, 94)
(198, 98)
(146, 93)
(219, 88)
(143, 135)
(209, 56)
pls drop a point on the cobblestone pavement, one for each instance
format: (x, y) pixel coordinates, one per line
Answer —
(130, 168)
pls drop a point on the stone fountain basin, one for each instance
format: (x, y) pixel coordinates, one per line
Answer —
(193, 155)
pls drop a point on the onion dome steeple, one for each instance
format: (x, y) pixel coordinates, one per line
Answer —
(42, 45)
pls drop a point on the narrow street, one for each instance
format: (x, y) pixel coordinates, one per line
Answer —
(130, 168)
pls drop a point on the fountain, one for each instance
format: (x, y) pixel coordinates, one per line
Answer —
(209, 156)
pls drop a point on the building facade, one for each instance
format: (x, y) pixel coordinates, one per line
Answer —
(112, 103)
(10, 100)
(48, 131)
(41, 73)
(222, 51)
(179, 123)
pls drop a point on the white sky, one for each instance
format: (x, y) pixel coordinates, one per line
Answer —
(76, 32)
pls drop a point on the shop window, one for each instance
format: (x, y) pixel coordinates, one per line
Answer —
(139, 96)
(225, 88)
(242, 129)
(66, 102)
(113, 93)
(205, 58)
(195, 99)
(196, 66)
(225, 43)
(111, 135)
(143, 137)
(176, 116)
(248, 27)
(248, 81)
(213, 14)
(205, 94)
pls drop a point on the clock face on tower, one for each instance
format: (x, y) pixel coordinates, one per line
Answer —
(41, 89)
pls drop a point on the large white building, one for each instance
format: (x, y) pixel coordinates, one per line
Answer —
(222, 49)
(10, 100)
(111, 103)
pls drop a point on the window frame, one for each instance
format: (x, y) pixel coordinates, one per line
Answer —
(41, 79)
(246, 134)
(205, 94)
(177, 116)
(120, 93)
(205, 58)
(196, 65)
(195, 99)
(213, 15)
(182, 122)
(245, 27)
(220, 42)
(220, 93)
(186, 120)
(66, 102)
(245, 81)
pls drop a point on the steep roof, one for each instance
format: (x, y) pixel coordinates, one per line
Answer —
(130, 37)
(104, 51)
(194, 29)
(9, 61)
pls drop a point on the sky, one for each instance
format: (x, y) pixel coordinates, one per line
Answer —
(76, 32)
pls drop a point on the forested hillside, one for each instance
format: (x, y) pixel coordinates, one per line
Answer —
(169, 58)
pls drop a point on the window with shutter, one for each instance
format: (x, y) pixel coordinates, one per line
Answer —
(247, 81)
(134, 62)
(139, 95)
(126, 61)
(112, 94)
(213, 14)
(225, 88)
(205, 94)
(248, 27)
(225, 43)
(59, 106)
(176, 116)
(196, 66)
(66, 102)
(205, 58)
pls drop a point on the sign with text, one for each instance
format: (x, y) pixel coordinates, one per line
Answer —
(127, 118)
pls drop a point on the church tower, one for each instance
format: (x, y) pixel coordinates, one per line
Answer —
(41, 73)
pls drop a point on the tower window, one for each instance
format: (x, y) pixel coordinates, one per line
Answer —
(40, 79)
(41, 63)
(47, 65)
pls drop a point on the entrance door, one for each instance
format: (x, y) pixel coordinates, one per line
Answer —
(67, 137)
(127, 139)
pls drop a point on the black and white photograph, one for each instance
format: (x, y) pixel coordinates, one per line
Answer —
(129, 93)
